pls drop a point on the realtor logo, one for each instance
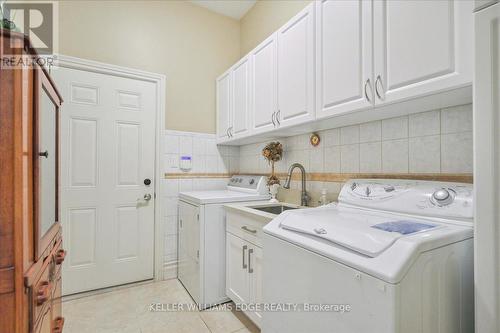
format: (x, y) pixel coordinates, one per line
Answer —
(35, 19)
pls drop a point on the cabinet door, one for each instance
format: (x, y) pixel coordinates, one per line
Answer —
(223, 105)
(486, 171)
(237, 269)
(241, 98)
(255, 281)
(296, 69)
(344, 71)
(264, 85)
(421, 47)
(189, 249)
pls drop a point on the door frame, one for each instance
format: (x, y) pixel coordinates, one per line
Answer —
(160, 82)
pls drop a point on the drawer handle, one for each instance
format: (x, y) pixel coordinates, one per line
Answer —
(60, 255)
(243, 249)
(253, 231)
(43, 293)
(58, 325)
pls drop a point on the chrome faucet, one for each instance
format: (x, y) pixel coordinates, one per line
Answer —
(304, 198)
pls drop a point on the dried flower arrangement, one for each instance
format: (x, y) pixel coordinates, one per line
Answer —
(273, 152)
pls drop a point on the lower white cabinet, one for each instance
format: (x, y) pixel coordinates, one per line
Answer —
(244, 275)
(237, 286)
(244, 261)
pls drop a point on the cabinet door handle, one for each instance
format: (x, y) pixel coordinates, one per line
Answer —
(44, 154)
(272, 119)
(250, 269)
(278, 117)
(243, 249)
(231, 131)
(366, 94)
(253, 231)
(227, 132)
(379, 79)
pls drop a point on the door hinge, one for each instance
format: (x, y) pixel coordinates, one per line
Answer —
(198, 254)
(180, 223)
(154, 195)
(198, 217)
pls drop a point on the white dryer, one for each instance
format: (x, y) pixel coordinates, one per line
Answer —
(202, 236)
(391, 256)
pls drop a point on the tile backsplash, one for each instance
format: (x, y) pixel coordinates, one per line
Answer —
(438, 141)
(432, 142)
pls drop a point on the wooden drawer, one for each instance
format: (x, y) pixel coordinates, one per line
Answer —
(246, 226)
(41, 292)
(57, 318)
(44, 323)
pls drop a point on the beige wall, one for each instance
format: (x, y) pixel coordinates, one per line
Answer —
(187, 43)
(265, 17)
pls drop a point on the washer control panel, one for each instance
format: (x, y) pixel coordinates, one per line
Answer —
(437, 199)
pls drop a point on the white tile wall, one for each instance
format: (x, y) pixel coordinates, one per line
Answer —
(206, 158)
(437, 141)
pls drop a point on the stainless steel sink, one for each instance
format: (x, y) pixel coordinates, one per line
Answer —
(276, 209)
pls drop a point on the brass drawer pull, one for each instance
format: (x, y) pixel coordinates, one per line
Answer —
(253, 231)
(58, 325)
(60, 255)
(43, 293)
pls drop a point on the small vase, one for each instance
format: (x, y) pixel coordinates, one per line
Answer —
(273, 189)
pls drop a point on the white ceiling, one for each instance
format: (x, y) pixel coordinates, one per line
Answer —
(232, 8)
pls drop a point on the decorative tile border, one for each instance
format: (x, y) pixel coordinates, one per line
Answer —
(197, 175)
(343, 177)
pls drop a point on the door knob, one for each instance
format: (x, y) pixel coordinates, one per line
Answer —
(147, 197)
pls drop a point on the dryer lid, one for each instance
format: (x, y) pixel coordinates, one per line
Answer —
(367, 233)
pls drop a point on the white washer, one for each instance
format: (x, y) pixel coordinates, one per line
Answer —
(202, 236)
(398, 253)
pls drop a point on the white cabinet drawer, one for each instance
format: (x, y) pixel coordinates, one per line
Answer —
(245, 226)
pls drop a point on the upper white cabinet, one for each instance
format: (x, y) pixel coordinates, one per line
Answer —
(421, 47)
(343, 56)
(264, 85)
(345, 61)
(233, 101)
(241, 98)
(296, 69)
(223, 105)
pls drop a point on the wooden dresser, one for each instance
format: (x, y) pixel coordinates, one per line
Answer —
(31, 250)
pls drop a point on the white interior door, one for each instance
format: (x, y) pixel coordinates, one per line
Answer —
(107, 152)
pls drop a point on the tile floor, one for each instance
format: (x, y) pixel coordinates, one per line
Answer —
(128, 311)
